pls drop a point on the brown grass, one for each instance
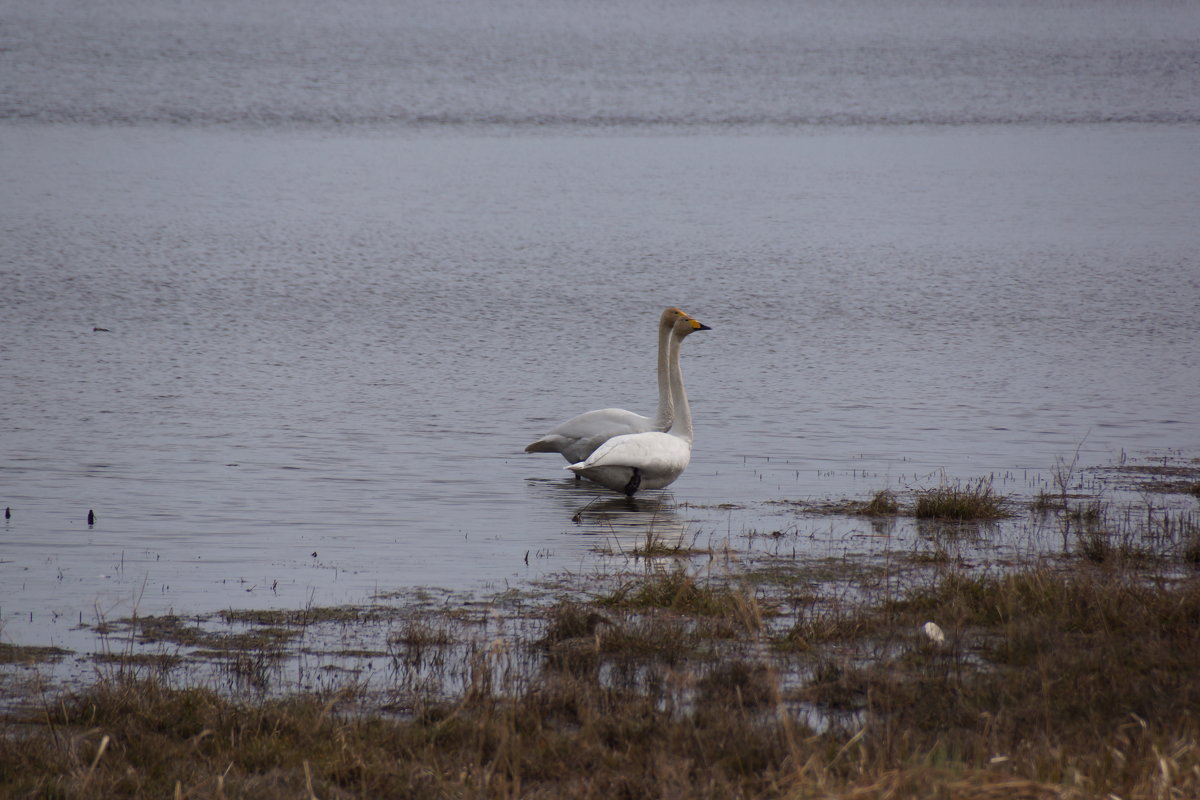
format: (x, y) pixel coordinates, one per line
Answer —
(681, 591)
(1065, 683)
(960, 502)
(971, 501)
(883, 503)
(1074, 679)
(14, 654)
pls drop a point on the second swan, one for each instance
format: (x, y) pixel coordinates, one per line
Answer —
(649, 459)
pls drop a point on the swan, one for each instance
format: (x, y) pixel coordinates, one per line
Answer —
(578, 437)
(649, 459)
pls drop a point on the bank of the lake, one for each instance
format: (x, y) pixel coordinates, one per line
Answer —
(692, 671)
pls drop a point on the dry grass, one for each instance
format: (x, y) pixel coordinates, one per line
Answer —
(1173, 476)
(680, 591)
(883, 503)
(14, 654)
(1074, 682)
(1073, 679)
(1131, 535)
(970, 501)
(960, 502)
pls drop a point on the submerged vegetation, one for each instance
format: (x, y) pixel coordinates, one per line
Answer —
(960, 502)
(1072, 676)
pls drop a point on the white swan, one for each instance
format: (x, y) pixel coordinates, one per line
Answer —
(651, 459)
(578, 437)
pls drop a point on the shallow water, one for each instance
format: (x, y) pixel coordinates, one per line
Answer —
(324, 347)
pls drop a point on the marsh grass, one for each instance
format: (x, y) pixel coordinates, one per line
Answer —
(25, 654)
(1189, 543)
(1065, 682)
(1045, 502)
(962, 502)
(160, 662)
(1075, 677)
(1143, 533)
(1116, 646)
(309, 615)
(186, 632)
(968, 501)
(1174, 476)
(684, 592)
(656, 545)
(883, 503)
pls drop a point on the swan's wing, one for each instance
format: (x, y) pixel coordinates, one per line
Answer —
(605, 421)
(652, 452)
(579, 436)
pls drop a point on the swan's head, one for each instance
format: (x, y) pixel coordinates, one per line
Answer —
(682, 323)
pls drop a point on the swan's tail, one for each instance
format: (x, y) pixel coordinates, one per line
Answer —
(547, 445)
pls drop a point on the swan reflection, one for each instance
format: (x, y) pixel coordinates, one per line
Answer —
(626, 524)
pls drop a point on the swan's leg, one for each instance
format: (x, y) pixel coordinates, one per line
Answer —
(634, 482)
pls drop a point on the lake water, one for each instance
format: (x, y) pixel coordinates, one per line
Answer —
(347, 260)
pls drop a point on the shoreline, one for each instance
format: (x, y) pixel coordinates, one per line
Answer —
(829, 661)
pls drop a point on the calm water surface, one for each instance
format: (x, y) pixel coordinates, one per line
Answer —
(325, 345)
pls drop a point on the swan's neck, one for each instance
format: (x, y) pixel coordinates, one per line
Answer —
(683, 413)
(666, 404)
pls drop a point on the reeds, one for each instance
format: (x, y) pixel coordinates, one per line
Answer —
(968, 501)
(962, 502)
(882, 503)
(1066, 682)
(1072, 677)
(676, 589)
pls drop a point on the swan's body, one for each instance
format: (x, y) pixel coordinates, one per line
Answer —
(648, 459)
(636, 461)
(578, 437)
